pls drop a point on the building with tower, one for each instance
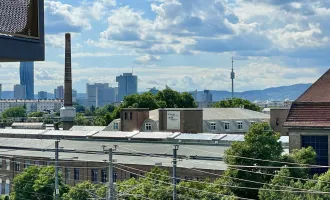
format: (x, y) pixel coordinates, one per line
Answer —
(26, 71)
(232, 77)
(19, 91)
(127, 85)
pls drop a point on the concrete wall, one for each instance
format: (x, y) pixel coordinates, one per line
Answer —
(191, 120)
(277, 118)
(134, 118)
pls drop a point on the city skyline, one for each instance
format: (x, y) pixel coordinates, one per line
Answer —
(110, 37)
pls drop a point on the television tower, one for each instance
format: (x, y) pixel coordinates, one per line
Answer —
(232, 77)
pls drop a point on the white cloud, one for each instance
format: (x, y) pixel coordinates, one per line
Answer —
(147, 59)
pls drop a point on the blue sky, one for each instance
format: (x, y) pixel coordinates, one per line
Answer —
(186, 44)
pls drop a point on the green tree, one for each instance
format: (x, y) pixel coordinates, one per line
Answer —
(36, 183)
(99, 121)
(261, 143)
(186, 101)
(85, 191)
(36, 114)
(81, 120)
(14, 112)
(79, 108)
(237, 102)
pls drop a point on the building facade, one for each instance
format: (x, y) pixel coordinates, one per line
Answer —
(100, 94)
(26, 72)
(32, 105)
(42, 95)
(59, 92)
(127, 85)
(19, 91)
(206, 120)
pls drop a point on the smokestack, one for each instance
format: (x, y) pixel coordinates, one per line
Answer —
(68, 112)
(67, 74)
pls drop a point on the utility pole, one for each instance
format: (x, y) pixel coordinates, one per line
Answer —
(175, 150)
(110, 176)
(111, 190)
(57, 191)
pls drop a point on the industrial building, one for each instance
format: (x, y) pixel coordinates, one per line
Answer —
(188, 120)
(82, 157)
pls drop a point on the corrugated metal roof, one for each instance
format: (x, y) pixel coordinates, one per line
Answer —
(232, 113)
(70, 133)
(200, 136)
(87, 128)
(155, 135)
(114, 134)
(22, 131)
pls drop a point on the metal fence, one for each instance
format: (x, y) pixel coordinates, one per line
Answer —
(19, 18)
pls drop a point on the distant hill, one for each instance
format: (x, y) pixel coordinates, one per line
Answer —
(291, 92)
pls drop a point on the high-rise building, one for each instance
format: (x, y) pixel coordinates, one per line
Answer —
(74, 95)
(127, 85)
(42, 95)
(26, 72)
(59, 92)
(0, 91)
(207, 96)
(100, 94)
(20, 91)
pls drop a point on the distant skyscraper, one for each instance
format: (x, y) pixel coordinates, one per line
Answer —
(127, 85)
(0, 91)
(207, 96)
(20, 91)
(59, 92)
(42, 95)
(100, 94)
(153, 90)
(26, 72)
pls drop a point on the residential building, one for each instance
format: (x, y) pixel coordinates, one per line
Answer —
(59, 92)
(32, 105)
(42, 95)
(100, 94)
(127, 85)
(206, 120)
(308, 121)
(26, 72)
(20, 91)
(274, 104)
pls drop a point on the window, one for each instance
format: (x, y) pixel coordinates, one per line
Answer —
(17, 166)
(130, 115)
(213, 126)
(114, 177)
(94, 175)
(240, 125)
(76, 173)
(125, 115)
(115, 126)
(7, 187)
(27, 163)
(320, 145)
(148, 127)
(226, 125)
(104, 175)
(7, 164)
(37, 162)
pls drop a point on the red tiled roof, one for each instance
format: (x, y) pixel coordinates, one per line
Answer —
(309, 114)
(319, 91)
